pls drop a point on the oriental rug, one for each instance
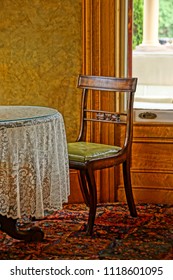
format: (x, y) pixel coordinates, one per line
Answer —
(117, 236)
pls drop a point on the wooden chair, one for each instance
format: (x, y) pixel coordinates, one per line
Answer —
(87, 157)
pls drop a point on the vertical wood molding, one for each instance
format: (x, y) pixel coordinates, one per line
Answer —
(103, 54)
(86, 35)
(130, 36)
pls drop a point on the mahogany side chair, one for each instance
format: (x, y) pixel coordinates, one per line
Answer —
(86, 157)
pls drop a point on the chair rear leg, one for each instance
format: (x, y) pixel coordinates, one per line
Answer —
(84, 187)
(128, 188)
(93, 200)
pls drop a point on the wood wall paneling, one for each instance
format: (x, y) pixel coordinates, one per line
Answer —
(152, 163)
(99, 59)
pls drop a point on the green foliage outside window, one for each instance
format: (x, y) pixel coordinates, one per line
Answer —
(165, 20)
(137, 22)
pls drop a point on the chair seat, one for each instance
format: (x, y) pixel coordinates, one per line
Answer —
(84, 151)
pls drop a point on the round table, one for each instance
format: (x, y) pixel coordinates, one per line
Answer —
(34, 167)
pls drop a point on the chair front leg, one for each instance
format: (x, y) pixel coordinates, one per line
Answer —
(128, 188)
(93, 200)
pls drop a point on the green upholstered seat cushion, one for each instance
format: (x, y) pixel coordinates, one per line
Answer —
(84, 151)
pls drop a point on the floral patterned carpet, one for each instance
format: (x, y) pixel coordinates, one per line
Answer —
(117, 236)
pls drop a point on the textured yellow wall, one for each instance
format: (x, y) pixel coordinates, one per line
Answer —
(41, 55)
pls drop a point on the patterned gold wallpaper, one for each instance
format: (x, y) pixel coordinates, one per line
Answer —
(41, 56)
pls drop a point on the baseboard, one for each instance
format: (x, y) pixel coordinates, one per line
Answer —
(148, 195)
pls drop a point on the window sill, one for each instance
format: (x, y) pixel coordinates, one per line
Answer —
(156, 106)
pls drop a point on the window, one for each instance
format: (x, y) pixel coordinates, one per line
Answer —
(153, 58)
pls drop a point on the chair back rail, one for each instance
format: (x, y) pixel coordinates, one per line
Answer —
(107, 83)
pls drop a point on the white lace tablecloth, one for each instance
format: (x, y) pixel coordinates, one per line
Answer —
(34, 170)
